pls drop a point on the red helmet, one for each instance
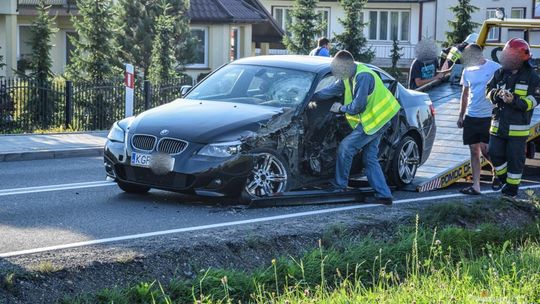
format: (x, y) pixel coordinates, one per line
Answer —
(517, 48)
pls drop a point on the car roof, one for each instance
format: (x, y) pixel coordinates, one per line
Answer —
(315, 64)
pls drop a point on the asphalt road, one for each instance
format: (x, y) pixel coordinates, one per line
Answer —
(64, 201)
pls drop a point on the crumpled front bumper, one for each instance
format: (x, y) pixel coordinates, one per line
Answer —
(192, 173)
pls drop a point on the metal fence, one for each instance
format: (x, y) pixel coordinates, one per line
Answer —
(28, 106)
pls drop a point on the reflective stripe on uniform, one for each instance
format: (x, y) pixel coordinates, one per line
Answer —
(494, 127)
(530, 101)
(502, 169)
(521, 90)
(513, 179)
(518, 130)
(519, 127)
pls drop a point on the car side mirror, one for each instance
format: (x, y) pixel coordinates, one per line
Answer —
(185, 89)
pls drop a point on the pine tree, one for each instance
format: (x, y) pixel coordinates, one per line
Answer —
(43, 30)
(396, 56)
(161, 65)
(304, 28)
(136, 22)
(94, 53)
(462, 26)
(352, 39)
(94, 59)
(41, 106)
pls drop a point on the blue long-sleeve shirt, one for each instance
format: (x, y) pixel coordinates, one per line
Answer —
(365, 83)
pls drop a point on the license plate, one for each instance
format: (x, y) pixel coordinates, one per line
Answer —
(140, 160)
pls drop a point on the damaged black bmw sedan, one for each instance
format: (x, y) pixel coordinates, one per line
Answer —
(251, 129)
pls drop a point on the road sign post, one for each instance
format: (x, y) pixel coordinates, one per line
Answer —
(129, 82)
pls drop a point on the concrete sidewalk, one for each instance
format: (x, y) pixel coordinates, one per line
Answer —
(47, 146)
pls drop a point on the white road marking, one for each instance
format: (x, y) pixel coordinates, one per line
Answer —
(6, 192)
(437, 198)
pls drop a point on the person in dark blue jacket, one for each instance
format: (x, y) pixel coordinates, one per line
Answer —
(323, 48)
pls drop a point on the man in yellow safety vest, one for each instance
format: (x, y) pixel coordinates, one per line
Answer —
(368, 106)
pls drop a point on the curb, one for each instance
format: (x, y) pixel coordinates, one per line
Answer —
(51, 154)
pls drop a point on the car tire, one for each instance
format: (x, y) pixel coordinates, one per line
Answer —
(270, 163)
(404, 163)
(132, 188)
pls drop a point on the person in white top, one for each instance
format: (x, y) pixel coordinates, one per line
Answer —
(476, 110)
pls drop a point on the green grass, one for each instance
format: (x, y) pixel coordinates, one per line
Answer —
(420, 265)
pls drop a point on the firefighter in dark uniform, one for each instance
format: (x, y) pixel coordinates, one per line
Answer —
(515, 91)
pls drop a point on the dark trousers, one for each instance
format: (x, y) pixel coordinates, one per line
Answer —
(508, 158)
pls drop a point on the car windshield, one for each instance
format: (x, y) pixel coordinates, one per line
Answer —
(258, 85)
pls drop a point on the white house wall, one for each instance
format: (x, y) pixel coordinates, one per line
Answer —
(429, 25)
(219, 44)
(381, 48)
(444, 13)
(337, 12)
(8, 25)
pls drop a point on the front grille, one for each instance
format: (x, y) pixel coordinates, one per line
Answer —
(171, 146)
(143, 142)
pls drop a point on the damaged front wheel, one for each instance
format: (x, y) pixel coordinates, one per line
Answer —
(270, 175)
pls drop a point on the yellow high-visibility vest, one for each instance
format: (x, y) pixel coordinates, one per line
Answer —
(381, 104)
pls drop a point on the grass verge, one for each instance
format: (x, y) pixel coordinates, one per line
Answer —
(421, 265)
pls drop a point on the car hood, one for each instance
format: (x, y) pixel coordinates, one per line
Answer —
(203, 121)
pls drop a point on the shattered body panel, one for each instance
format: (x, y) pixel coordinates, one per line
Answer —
(258, 106)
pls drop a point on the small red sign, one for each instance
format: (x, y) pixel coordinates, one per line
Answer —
(129, 80)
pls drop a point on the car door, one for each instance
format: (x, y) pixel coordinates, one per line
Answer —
(323, 131)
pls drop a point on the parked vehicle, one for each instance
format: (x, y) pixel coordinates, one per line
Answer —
(250, 128)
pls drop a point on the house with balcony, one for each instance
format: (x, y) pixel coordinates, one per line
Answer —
(407, 21)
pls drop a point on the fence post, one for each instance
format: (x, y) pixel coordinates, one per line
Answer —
(69, 103)
(147, 89)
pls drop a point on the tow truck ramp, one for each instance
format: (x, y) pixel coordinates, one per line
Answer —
(450, 159)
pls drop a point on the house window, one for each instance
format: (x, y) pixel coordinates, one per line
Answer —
(70, 48)
(201, 48)
(24, 47)
(283, 17)
(517, 12)
(389, 25)
(235, 44)
(494, 34)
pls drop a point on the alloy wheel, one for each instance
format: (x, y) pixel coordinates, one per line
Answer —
(269, 176)
(409, 159)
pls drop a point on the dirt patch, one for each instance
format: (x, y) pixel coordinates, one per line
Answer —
(50, 276)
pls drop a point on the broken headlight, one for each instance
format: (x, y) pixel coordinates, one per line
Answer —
(225, 149)
(116, 133)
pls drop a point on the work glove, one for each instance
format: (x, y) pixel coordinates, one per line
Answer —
(506, 96)
(336, 107)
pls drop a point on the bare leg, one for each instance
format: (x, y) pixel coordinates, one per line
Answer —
(475, 165)
(484, 148)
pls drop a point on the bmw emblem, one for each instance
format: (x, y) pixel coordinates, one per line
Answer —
(164, 132)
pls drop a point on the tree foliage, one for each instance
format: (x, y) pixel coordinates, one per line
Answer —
(306, 25)
(161, 65)
(94, 53)
(136, 21)
(352, 39)
(462, 26)
(2, 64)
(43, 29)
(395, 55)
